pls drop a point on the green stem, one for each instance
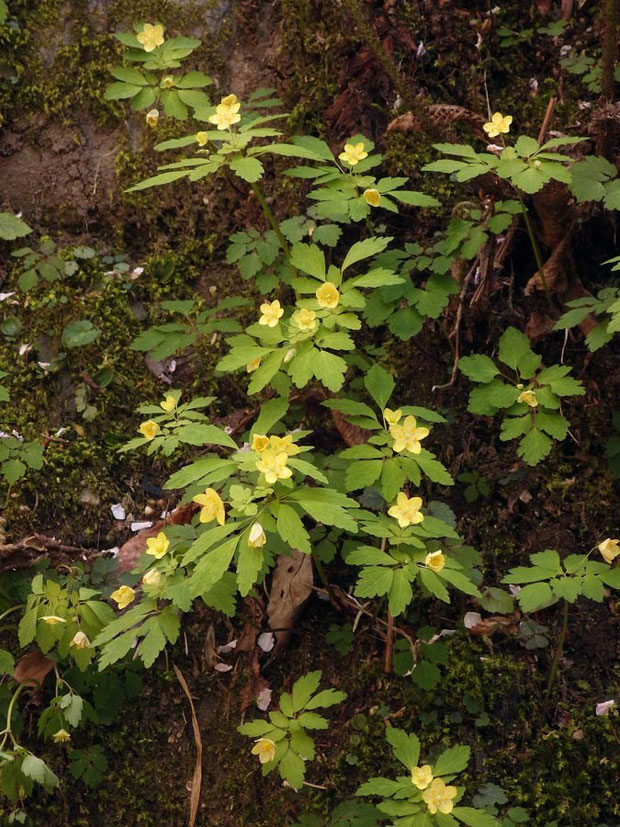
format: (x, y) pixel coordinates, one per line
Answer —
(11, 610)
(536, 249)
(271, 218)
(556, 655)
(9, 712)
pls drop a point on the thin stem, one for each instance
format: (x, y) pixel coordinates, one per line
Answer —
(556, 655)
(322, 576)
(271, 218)
(536, 249)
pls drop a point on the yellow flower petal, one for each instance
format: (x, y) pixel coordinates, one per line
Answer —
(328, 295)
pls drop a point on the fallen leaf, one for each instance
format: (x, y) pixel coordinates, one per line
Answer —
(33, 667)
(197, 777)
(131, 551)
(291, 586)
(495, 623)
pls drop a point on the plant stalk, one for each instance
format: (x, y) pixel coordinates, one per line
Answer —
(556, 655)
(271, 218)
(536, 250)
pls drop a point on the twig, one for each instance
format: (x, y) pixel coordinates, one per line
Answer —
(544, 127)
(457, 327)
(197, 777)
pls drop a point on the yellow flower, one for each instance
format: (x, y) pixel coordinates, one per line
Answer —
(212, 506)
(169, 404)
(259, 443)
(149, 429)
(407, 511)
(407, 436)
(201, 138)
(274, 466)
(284, 443)
(392, 417)
(353, 154)
(421, 777)
(62, 736)
(53, 620)
(265, 748)
(150, 37)
(328, 295)
(157, 546)
(152, 117)
(438, 797)
(226, 112)
(609, 549)
(257, 537)
(435, 561)
(151, 578)
(80, 641)
(372, 197)
(529, 397)
(167, 82)
(123, 596)
(271, 313)
(498, 125)
(305, 320)
(253, 365)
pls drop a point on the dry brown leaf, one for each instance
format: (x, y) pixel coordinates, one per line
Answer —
(351, 434)
(495, 623)
(291, 586)
(197, 777)
(33, 667)
(544, 6)
(131, 551)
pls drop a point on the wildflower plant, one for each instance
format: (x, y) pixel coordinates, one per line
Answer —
(605, 305)
(530, 396)
(343, 188)
(394, 454)
(155, 83)
(283, 740)
(191, 324)
(290, 346)
(427, 794)
(550, 579)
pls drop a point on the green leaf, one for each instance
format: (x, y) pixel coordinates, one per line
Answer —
(212, 566)
(329, 369)
(7, 662)
(250, 169)
(406, 746)
(536, 596)
(79, 333)
(479, 368)
(325, 699)
(291, 529)
(400, 594)
(121, 91)
(568, 588)
(292, 769)
(309, 259)
(362, 474)
(475, 818)
(365, 249)
(35, 768)
(534, 447)
(128, 75)
(513, 347)
(304, 688)
(432, 468)
(379, 384)
(249, 563)
(158, 180)
(199, 434)
(452, 761)
(12, 227)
